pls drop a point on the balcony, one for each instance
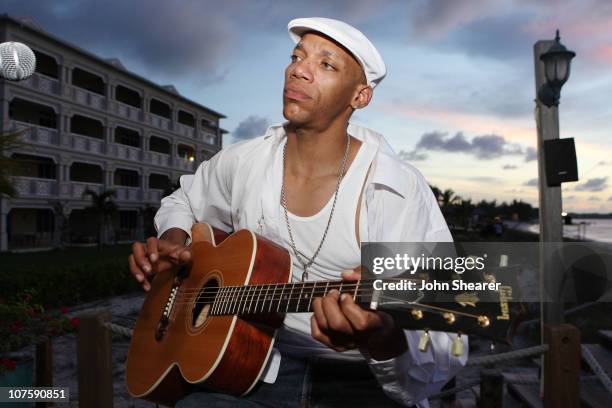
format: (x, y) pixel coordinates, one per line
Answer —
(158, 159)
(83, 143)
(128, 193)
(75, 189)
(126, 152)
(86, 98)
(37, 134)
(42, 83)
(153, 195)
(34, 187)
(127, 111)
(159, 122)
(184, 130)
(184, 164)
(209, 138)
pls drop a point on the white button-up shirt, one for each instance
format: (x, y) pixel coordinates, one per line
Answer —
(237, 188)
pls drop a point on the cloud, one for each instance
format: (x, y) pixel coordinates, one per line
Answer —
(167, 38)
(509, 167)
(594, 185)
(250, 127)
(486, 179)
(435, 18)
(531, 154)
(531, 183)
(594, 198)
(412, 155)
(484, 147)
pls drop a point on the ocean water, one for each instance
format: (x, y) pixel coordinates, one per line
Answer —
(597, 229)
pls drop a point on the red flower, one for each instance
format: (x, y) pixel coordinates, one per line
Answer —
(64, 309)
(15, 327)
(9, 364)
(75, 321)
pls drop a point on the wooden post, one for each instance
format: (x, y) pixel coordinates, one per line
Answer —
(551, 228)
(94, 359)
(491, 389)
(44, 366)
(562, 367)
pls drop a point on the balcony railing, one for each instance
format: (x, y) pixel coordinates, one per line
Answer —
(128, 193)
(75, 189)
(159, 121)
(83, 143)
(209, 138)
(85, 97)
(184, 130)
(184, 164)
(42, 83)
(36, 134)
(153, 195)
(127, 111)
(34, 187)
(156, 158)
(126, 152)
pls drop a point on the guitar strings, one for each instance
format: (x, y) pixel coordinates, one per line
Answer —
(297, 284)
(257, 290)
(423, 306)
(242, 303)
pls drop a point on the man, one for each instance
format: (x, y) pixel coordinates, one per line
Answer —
(319, 186)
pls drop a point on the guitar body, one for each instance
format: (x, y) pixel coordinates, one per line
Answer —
(222, 353)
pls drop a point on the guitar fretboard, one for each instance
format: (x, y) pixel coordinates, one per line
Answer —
(280, 298)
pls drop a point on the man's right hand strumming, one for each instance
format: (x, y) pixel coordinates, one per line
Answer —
(158, 255)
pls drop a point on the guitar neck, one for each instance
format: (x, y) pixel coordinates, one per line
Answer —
(283, 297)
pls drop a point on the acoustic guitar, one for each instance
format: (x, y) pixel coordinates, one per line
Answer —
(213, 324)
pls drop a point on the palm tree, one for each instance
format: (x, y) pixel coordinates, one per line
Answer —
(8, 141)
(449, 198)
(103, 208)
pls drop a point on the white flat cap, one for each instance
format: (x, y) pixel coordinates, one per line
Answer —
(352, 39)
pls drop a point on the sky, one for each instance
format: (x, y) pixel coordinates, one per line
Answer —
(457, 101)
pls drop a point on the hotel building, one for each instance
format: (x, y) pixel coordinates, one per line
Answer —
(88, 124)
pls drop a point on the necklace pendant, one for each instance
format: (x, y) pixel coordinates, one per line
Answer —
(305, 274)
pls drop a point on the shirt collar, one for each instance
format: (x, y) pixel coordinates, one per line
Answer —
(387, 168)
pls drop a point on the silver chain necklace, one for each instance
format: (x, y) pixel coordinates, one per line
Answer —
(306, 263)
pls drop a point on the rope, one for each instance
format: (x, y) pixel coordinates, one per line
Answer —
(474, 361)
(454, 390)
(510, 355)
(523, 381)
(596, 367)
(115, 328)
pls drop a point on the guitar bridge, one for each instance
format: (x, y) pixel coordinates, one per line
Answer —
(165, 317)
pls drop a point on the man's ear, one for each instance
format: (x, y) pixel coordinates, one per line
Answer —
(362, 96)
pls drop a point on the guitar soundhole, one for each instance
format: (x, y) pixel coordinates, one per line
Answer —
(203, 303)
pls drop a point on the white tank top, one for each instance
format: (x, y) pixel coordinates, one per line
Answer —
(339, 252)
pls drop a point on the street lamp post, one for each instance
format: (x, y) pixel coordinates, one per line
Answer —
(552, 69)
